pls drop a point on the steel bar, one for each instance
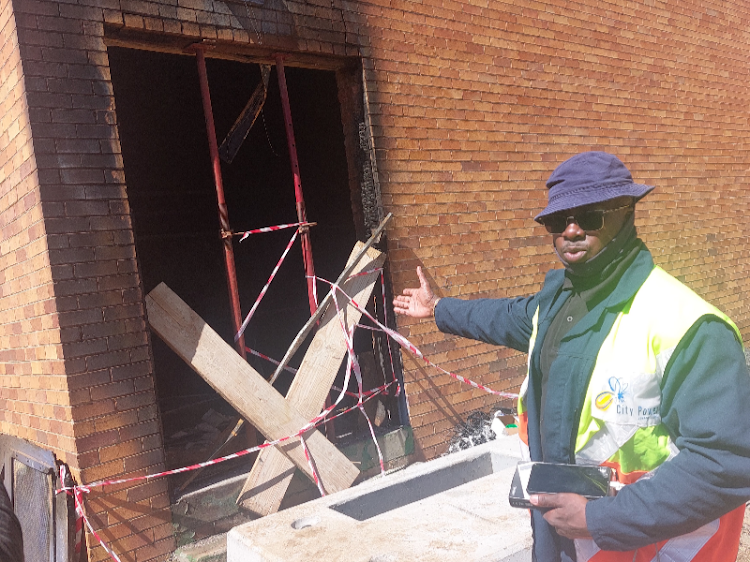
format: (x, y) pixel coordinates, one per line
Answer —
(226, 230)
(242, 125)
(300, 200)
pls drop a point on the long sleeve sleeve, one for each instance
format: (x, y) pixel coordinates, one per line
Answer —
(505, 322)
(705, 398)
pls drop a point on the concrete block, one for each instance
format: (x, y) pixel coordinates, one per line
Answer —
(454, 508)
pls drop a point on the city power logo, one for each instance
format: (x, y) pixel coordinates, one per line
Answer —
(616, 392)
(622, 401)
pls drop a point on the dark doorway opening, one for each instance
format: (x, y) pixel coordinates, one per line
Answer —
(173, 206)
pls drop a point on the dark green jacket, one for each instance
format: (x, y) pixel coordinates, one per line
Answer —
(705, 406)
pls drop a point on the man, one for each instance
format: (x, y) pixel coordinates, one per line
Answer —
(627, 368)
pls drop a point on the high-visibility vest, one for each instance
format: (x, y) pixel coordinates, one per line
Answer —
(622, 407)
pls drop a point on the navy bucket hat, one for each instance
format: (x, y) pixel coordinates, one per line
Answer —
(587, 178)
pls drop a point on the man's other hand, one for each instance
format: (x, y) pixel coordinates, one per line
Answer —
(417, 303)
(565, 512)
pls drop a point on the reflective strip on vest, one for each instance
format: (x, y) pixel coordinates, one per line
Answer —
(523, 416)
(678, 549)
(717, 541)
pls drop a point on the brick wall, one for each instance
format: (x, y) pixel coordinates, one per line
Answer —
(33, 401)
(79, 375)
(472, 106)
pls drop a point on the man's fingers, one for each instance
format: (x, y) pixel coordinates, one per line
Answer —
(402, 302)
(545, 500)
(416, 303)
(422, 279)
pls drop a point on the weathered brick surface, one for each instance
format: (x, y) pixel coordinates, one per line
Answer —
(34, 403)
(473, 107)
(472, 104)
(76, 374)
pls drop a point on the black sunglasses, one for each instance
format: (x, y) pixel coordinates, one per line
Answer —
(590, 221)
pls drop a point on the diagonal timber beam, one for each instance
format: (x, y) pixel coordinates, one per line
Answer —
(242, 386)
(241, 128)
(272, 472)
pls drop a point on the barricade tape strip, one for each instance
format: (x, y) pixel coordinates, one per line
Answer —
(76, 491)
(265, 287)
(247, 233)
(366, 393)
(307, 427)
(381, 460)
(270, 360)
(333, 388)
(406, 344)
(78, 534)
(313, 468)
(362, 396)
(387, 339)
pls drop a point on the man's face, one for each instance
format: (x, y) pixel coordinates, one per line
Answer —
(575, 245)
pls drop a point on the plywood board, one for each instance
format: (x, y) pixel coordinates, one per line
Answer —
(243, 387)
(272, 472)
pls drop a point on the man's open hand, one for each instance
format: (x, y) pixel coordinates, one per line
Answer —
(565, 512)
(417, 303)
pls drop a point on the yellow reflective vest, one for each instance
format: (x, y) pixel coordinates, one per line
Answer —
(620, 424)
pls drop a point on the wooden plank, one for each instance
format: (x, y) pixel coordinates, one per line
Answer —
(242, 125)
(272, 472)
(243, 387)
(307, 328)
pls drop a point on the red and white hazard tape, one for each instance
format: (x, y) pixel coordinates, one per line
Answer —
(333, 388)
(307, 427)
(406, 344)
(79, 514)
(385, 321)
(313, 468)
(77, 491)
(271, 229)
(367, 393)
(270, 360)
(362, 396)
(265, 287)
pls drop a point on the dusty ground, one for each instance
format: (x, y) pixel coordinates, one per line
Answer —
(744, 555)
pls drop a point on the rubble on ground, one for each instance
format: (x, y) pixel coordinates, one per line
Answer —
(481, 427)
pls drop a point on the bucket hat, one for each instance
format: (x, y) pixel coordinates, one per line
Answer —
(587, 178)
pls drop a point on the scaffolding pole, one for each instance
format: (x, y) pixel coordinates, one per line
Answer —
(226, 230)
(307, 256)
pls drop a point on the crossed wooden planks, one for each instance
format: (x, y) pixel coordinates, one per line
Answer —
(272, 471)
(256, 400)
(242, 386)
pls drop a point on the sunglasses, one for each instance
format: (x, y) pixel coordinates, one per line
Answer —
(590, 221)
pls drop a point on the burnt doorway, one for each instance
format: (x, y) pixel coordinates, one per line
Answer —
(173, 206)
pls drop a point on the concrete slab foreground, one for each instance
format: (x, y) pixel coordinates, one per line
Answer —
(452, 509)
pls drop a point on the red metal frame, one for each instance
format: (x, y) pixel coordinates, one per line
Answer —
(226, 230)
(307, 256)
(301, 215)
